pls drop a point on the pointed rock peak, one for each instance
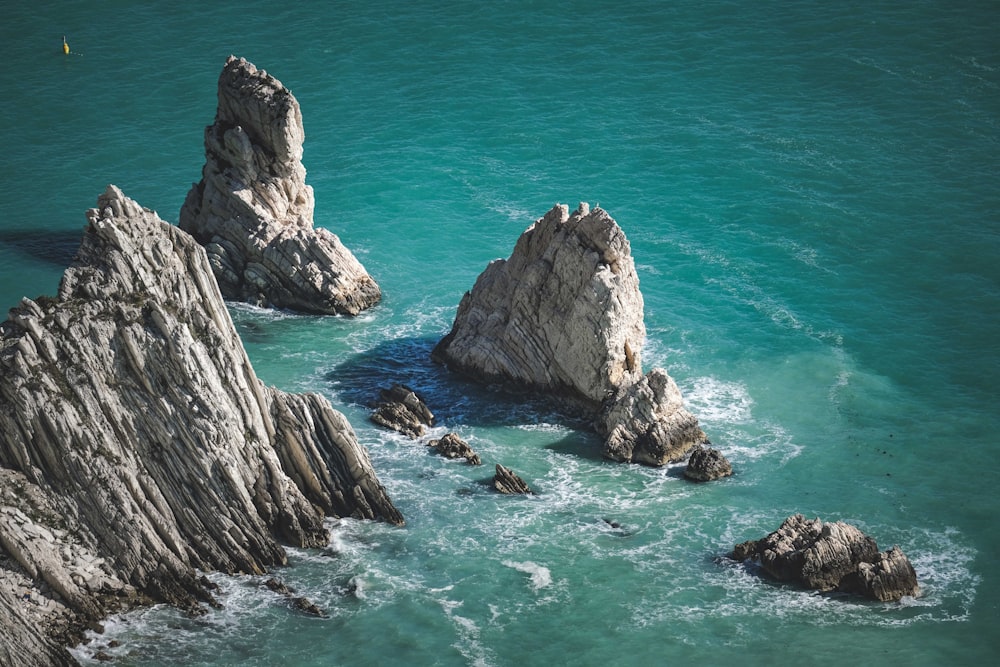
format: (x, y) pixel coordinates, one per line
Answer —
(563, 316)
(257, 102)
(140, 435)
(253, 211)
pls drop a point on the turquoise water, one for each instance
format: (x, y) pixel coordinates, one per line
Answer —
(811, 193)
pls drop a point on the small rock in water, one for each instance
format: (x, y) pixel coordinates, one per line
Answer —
(505, 481)
(832, 556)
(707, 464)
(453, 447)
(402, 410)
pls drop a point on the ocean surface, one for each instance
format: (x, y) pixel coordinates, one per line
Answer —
(812, 195)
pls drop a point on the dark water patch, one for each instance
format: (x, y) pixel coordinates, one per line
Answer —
(453, 398)
(52, 247)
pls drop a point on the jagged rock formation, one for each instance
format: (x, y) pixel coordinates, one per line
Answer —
(645, 422)
(137, 445)
(253, 211)
(401, 409)
(707, 464)
(831, 556)
(563, 316)
(453, 447)
(507, 482)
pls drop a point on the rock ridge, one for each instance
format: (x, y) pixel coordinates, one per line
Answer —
(137, 445)
(563, 317)
(253, 211)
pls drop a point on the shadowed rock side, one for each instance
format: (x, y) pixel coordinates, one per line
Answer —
(831, 557)
(253, 211)
(563, 316)
(138, 445)
(707, 464)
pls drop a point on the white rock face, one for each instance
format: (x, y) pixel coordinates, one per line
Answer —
(253, 211)
(563, 315)
(143, 444)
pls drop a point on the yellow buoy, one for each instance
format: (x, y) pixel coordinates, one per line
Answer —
(65, 45)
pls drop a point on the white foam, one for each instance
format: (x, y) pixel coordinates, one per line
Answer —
(541, 577)
(715, 400)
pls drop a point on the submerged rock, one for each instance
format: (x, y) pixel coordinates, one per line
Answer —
(707, 464)
(253, 211)
(831, 557)
(563, 316)
(453, 447)
(138, 446)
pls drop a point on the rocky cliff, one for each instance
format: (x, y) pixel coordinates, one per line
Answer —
(137, 445)
(563, 316)
(253, 211)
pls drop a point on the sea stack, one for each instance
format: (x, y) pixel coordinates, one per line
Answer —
(253, 211)
(138, 446)
(563, 316)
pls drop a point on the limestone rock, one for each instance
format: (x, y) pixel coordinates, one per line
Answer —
(507, 482)
(401, 409)
(253, 211)
(831, 556)
(707, 464)
(137, 443)
(453, 447)
(646, 422)
(563, 316)
(889, 578)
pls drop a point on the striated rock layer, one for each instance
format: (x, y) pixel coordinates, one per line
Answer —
(831, 556)
(563, 315)
(137, 445)
(253, 211)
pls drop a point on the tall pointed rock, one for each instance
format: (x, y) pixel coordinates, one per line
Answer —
(253, 211)
(138, 446)
(563, 316)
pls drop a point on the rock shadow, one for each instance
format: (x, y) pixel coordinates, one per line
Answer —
(452, 398)
(57, 248)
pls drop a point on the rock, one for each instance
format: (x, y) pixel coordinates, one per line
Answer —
(563, 316)
(889, 578)
(253, 211)
(402, 410)
(505, 481)
(138, 446)
(299, 603)
(305, 605)
(646, 422)
(453, 447)
(831, 557)
(707, 464)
